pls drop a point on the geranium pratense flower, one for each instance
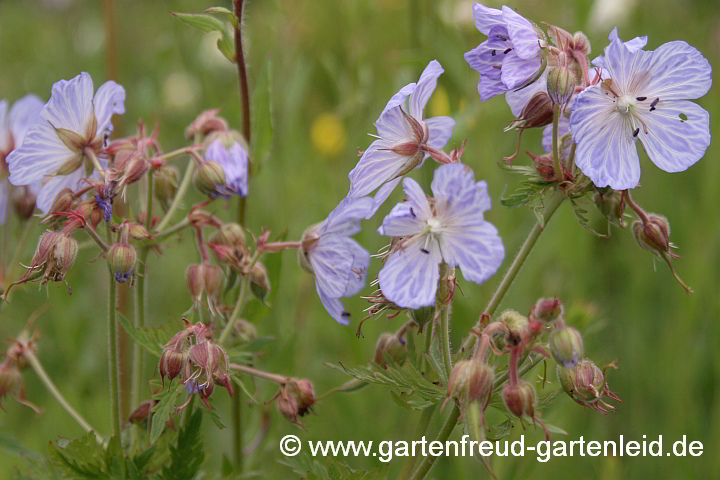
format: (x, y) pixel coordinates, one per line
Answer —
(229, 150)
(511, 57)
(644, 99)
(450, 229)
(74, 127)
(13, 126)
(404, 138)
(338, 262)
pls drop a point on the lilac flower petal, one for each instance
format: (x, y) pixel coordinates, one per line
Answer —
(486, 18)
(382, 194)
(345, 218)
(50, 189)
(518, 99)
(678, 72)
(424, 89)
(71, 104)
(24, 113)
(109, 100)
(488, 56)
(477, 249)
(457, 195)
(410, 276)
(42, 153)
(402, 221)
(377, 166)
(234, 162)
(331, 262)
(522, 34)
(334, 307)
(393, 127)
(359, 270)
(439, 131)
(517, 71)
(637, 43)
(489, 87)
(399, 98)
(418, 199)
(674, 143)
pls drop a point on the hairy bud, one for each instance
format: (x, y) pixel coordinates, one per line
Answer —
(229, 235)
(165, 185)
(390, 346)
(172, 363)
(561, 85)
(121, 258)
(259, 276)
(611, 204)
(470, 380)
(537, 113)
(23, 202)
(305, 393)
(209, 179)
(548, 309)
(566, 346)
(653, 235)
(520, 398)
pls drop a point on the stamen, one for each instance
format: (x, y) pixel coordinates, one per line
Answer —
(426, 252)
(507, 51)
(412, 212)
(654, 103)
(635, 133)
(501, 38)
(493, 53)
(497, 66)
(641, 99)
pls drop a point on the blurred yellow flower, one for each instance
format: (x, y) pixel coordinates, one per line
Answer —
(440, 103)
(328, 134)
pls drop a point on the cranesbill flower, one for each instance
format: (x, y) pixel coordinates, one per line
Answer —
(338, 262)
(450, 228)
(229, 150)
(405, 138)
(65, 146)
(511, 57)
(644, 99)
(13, 126)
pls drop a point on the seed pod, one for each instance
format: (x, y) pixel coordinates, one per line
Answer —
(172, 363)
(470, 380)
(520, 398)
(548, 309)
(121, 258)
(390, 345)
(209, 179)
(566, 346)
(561, 85)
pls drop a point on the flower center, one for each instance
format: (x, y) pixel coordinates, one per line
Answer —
(433, 224)
(625, 104)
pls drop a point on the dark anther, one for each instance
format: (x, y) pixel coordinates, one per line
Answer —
(412, 212)
(426, 252)
(635, 133)
(654, 103)
(507, 51)
(493, 53)
(345, 314)
(641, 99)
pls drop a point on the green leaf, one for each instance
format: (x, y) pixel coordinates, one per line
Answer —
(262, 119)
(11, 445)
(224, 11)
(580, 214)
(214, 415)
(80, 458)
(187, 456)
(239, 381)
(207, 23)
(501, 430)
(474, 423)
(151, 339)
(162, 411)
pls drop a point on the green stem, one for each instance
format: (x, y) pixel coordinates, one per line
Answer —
(45, 379)
(113, 357)
(522, 255)
(555, 152)
(96, 238)
(140, 307)
(160, 236)
(442, 436)
(571, 159)
(244, 287)
(419, 433)
(427, 344)
(237, 431)
(21, 243)
(445, 338)
(184, 185)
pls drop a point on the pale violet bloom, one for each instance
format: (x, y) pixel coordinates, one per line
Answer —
(73, 124)
(404, 138)
(644, 99)
(13, 126)
(637, 43)
(232, 155)
(451, 230)
(511, 57)
(338, 262)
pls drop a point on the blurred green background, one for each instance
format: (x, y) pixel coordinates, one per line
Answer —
(335, 63)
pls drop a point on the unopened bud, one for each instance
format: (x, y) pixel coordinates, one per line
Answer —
(62, 202)
(259, 276)
(194, 280)
(213, 280)
(229, 235)
(10, 379)
(548, 309)
(612, 205)
(520, 398)
(172, 363)
(581, 43)
(422, 315)
(561, 85)
(287, 405)
(138, 232)
(305, 396)
(537, 113)
(136, 168)
(205, 123)
(121, 258)
(390, 346)
(209, 178)
(64, 254)
(245, 330)
(653, 235)
(165, 184)
(516, 324)
(470, 380)
(23, 202)
(566, 346)
(142, 412)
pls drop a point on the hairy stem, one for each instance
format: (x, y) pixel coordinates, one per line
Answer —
(45, 379)
(273, 377)
(21, 244)
(244, 287)
(237, 432)
(442, 436)
(445, 338)
(184, 185)
(238, 9)
(555, 151)
(112, 357)
(419, 433)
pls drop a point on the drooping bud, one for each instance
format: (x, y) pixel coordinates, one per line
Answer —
(10, 379)
(470, 380)
(581, 43)
(516, 324)
(548, 309)
(137, 231)
(287, 405)
(611, 203)
(209, 179)
(245, 330)
(165, 185)
(586, 384)
(561, 85)
(121, 258)
(520, 398)
(259, 276)
(305, 393)
(64, 254)
(653, 235)
(537, 113)
(566, 346)
(194, 280)
(23, 202)
(172, 363)
(422, 315)
(390, 346)
(229, 235)
(204, 278)
(213, 280)
(205, 123)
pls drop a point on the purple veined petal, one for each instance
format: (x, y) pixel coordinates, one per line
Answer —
(410, 276)
(424, 89)
(522, 34)
(41, 154)
(674, 143)
(417, 198)
(478, 251)
(382, 194)
(334, 307)
(487, 57)
(563, 129)
(331, 262)
(517, 100)
(345, 219)
(637, 43)
(71, 104)
(619, 63)
(377, 166)
(605, 152)
(359, 270)
(53, 185)
(486, 18)
(399, 98)
(234, 161)
(109, 100)
(451, 182)
(678, 72)
(489, 87)
(393, 127)
(402, 221)
(24, 113)
(516, 71)
(4, 197)
(439, 131)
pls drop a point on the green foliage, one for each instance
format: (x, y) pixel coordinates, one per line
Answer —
(531, 190)
(165, 407)
(187, 456)
(329, 468)
(80, 458)
(262, 118)
(152, 340)
(207, 23)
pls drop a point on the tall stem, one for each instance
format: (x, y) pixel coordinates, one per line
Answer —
(445, 338)
(45, 379)
(112, 357)
(442, 436)
(238, 8)
(244, 287)
(555, 151)
(419, 433)
(237, 431)
(522, 255)
(184, 185)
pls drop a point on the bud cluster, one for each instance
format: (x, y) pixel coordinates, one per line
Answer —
(295, 399)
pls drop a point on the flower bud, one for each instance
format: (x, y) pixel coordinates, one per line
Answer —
(245, 330)
(10, 379)
(305, 396)
(581, 43)
(136, 169)
(62, 202)
(561, 85)
(194, 280)
(392, 346)
(213, 280)
(566, 346)
(653, 235)
(516, 324)
(537, 113)
(422, 315)
(229, 235)
(23, 202)
(209, 179)
(259, 276)
(137, 231)
(64, 254)
(548, 309)
(142, 412)
(165, 184)
(205, 123)
(121, 258)
(172, 363)
(45, 246)
(470, 380)
(287, 405)
(520, 398)
(612, 205)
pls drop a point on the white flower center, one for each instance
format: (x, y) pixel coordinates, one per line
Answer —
(434, 224)
(625, 104)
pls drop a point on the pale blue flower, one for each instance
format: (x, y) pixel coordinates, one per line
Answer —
(404, 136)
(643, 99)
(14, 124)
(73, 120)
(511, 57)
(233, 157)
(451, 230)
(338, 262)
